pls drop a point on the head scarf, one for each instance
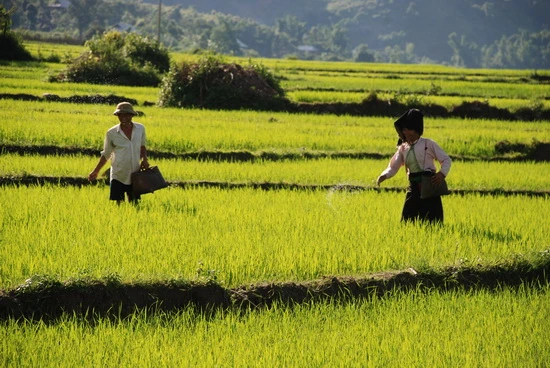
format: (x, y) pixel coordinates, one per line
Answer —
(412, 120)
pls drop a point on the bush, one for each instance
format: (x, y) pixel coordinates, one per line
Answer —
(12, 49)
(90, 69)
(212, 83)
(117, 58)
(145, 52)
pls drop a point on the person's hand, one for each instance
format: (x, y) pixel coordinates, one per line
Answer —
(438, 178)
(380, 179)
(144, 165)
(92, 176)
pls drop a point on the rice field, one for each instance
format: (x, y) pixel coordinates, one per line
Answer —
(248, 236)
(316, 96)
(324, 171)
(475, 329)
(180, 131)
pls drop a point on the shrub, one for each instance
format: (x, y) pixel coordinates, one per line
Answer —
(88, 68)
(145, 52)
(117, 58)
(213, 83)
(11, 47)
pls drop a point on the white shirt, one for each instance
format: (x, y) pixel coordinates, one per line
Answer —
(123, 152)
(426, 152)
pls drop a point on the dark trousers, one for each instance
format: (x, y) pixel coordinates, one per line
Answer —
(119, 190)
(415, 208)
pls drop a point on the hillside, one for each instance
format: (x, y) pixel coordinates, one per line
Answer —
(427, 24)
(512, 34)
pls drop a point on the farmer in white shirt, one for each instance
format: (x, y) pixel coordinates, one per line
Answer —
(418, 155)
(124, 145)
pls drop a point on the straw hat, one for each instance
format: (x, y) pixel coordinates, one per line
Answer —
(124, 108)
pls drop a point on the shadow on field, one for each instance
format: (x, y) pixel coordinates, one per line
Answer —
(505, 151)
(46, 299)
(33, 180)
(371, 105)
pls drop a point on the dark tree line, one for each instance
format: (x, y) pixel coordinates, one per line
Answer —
(366, 31)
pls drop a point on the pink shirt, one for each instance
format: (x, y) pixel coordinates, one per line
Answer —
(123, 152)
(426, 152)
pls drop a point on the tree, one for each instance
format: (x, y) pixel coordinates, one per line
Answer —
(31, 12)
(291, 26)
(84, 12)
(223, 40)
(338, 39)
(5, 19)
(465, 53)
(10, 45)
(362, 54)
(282, 45)
(521, 50)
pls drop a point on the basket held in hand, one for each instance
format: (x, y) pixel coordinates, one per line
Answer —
(148, 180)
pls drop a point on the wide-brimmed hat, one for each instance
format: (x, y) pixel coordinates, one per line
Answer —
(124, 108)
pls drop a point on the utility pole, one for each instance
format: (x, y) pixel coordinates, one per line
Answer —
(158, 26)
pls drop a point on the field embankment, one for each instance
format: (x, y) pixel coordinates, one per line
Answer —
(369, 106)
(43, 298)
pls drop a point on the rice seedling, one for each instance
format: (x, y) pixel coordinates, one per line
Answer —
(194, 130)
(489, 175)
(248, 235)
(244, 236)
(482, 328)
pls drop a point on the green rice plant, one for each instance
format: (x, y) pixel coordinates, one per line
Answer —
(248, 235)
(193, 130)
(487, 329)
(449, 102)
(343, 77)
(33, 82)
(453, 87)
(325, 97)
(18, 72)
(244, 236)
(45, 48)
(487, 175)
(511, 104)
(404, 70)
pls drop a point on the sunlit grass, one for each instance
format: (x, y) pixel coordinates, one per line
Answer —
(404, 85)
(193, 130)
(34, 82)
(46, 49)
(486, 329)
(249, 235)
(449, 102)
(342, 77)
(307, 172)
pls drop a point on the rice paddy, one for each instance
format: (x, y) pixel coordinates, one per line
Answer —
(214, 227)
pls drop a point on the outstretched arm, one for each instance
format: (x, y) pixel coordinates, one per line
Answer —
(93, 175)
(395, 163)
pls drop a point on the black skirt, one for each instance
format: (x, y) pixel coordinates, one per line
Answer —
(415, 208)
